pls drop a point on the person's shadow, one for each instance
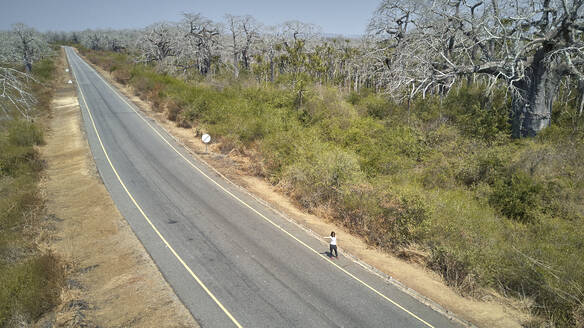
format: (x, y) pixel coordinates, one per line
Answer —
(328, 254)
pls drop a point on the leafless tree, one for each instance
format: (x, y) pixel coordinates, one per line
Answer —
(28, 45)
(251, 28)
(14, 92)
(201, 37)
(233, 27)
(121, 40)
(245, 33)
(529, 44)
(57, 37)
(308, 33)
(270, 44)
(20, 46)
(158, 42)
(93, 40)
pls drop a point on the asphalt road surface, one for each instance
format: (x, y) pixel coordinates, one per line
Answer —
(231, 260)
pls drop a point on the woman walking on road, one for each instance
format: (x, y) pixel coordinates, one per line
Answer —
(333, 246)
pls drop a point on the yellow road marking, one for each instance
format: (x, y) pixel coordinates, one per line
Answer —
(257, 212)
(148, 219)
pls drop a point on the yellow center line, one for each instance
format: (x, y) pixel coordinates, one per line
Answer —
(148, 219)
(257, 212)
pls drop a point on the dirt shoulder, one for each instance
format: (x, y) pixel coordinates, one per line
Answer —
(492, 310)
(111, 279)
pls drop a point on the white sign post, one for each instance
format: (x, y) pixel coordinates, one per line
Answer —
(206, 139)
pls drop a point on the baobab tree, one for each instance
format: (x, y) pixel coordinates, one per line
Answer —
(201, 38)
(20, 46)
(269, 47)
(251, 32)
(530, 45)
(28, 45)
(159, 41)
(15, 93)
(233, 27)
(93, 40)
(15, 96)
(245, 33)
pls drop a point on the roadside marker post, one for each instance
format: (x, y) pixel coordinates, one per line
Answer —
(206, 139)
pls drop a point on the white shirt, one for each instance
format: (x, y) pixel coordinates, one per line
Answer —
(333, 240)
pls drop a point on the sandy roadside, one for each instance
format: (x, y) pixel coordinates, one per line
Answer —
(111, 279)
(491, 311)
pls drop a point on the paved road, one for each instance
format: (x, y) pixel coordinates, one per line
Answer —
(231, 260)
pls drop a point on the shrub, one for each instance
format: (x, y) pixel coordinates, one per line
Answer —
(172, 110)
(230, 142)
(376, 106)
(44, 69)
(387, 219)
(30, 288)
(20, 198)
(122, 75)
(18, 160)
(485, 167)
(517, 197)
(427, 109)
(194, 110)
(25, 133)
(412, 213)
(451, 268)
(438, 173)
(319, 180)
(280, 151)
(480, 115)
(354, 98)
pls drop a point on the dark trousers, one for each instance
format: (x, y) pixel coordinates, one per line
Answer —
(334, 248)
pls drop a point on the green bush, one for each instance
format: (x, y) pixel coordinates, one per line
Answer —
(25, 133)
(377, 106)
(480, 115)
(44, 70)
(438, 174)
(450, 266)
(320, 177)
(410, 219)
(517, 197)
(426, 109)
(488, 167)
(30, 288)
(280, 149)
(20, 197)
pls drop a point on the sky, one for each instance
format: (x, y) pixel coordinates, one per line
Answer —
(334, 16)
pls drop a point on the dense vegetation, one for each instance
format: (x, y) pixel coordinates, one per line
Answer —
(30, 279)
(440, 175)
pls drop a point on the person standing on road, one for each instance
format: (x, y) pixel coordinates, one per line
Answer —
(333, 245)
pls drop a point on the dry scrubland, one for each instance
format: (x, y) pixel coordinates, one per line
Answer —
(30, 277)
(441, 181)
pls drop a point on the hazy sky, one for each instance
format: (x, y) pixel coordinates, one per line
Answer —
(334, 16)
